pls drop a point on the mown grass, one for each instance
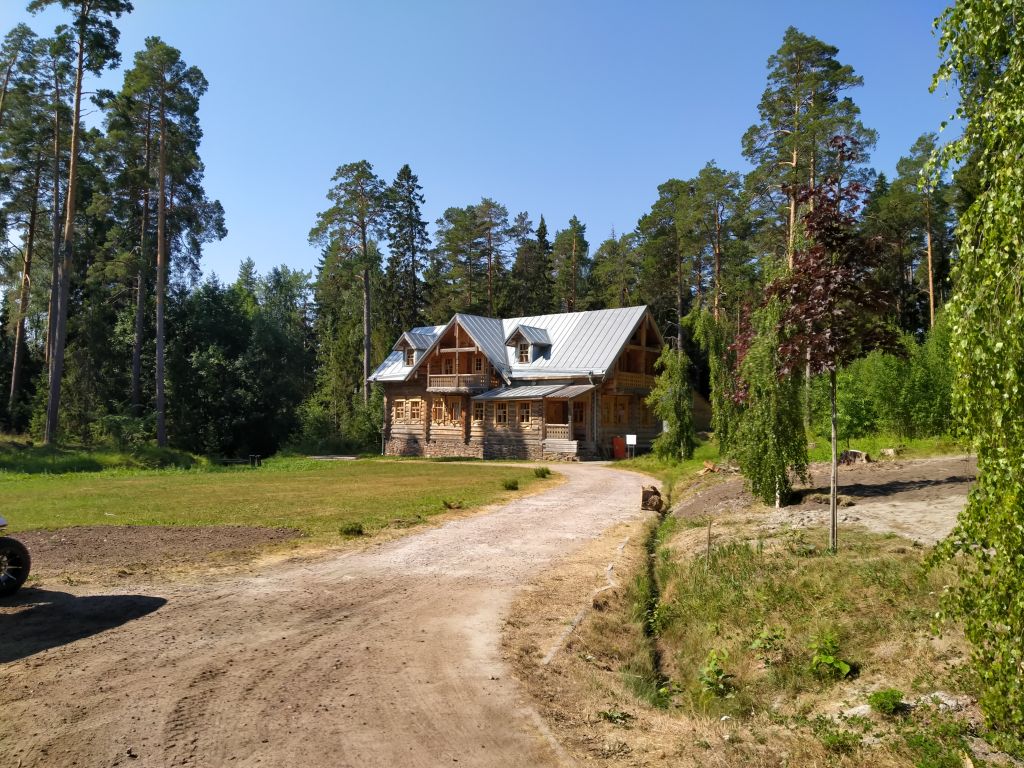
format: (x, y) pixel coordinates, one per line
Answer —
(316, 497)
(909, 448)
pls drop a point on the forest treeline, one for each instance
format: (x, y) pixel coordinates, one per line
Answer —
(110, 332)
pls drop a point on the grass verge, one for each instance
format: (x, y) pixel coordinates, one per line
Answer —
(318, 498)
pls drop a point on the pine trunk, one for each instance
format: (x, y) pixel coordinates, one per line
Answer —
(51, 310)
(67, 247)
(161, 277)
(140, 282)
(366, 316)
(26, 284)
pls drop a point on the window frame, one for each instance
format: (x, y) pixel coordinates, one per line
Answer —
(525, 410)
(410, 357)
(479, 407)
(415, 410)
(524, 352)
(501, 414)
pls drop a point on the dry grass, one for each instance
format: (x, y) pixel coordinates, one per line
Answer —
(608, 704)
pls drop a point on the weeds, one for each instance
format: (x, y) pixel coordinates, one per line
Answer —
(826, 664)
(542, 472)
(352, 529)
(888, 702)
(510, 484)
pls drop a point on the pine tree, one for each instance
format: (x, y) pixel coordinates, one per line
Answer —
(408, 243)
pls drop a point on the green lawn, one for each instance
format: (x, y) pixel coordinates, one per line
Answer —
(315, 497)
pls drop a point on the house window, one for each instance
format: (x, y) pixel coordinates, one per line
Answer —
(621, 410)
(455, 411)
(416, 410)
(524, 352)
(501, 413)
(449, 366)
(578, 411)
(524, 414)
(410, 356)
(478, 364)
(437, 414)
(399, 411)
(478, 412)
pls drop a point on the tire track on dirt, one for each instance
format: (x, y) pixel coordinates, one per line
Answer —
(388, 657)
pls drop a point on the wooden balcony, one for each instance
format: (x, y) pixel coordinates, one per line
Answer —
(556, 432)
(627, 380)
(457, 382)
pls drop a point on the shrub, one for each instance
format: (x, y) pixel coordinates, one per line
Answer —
(713, 677)
(838, 741)
(510, 485)
(541, 472)
(352, 529)
(826, 663)
(888, 702)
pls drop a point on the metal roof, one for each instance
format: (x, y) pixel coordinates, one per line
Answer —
(531, 334)
(394, 368)
(573, 390)
(519, 393)
(581, 343)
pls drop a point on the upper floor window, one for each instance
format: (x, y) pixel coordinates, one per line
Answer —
(524, 352)
(478, 364)
(410, 356)
(448, 365)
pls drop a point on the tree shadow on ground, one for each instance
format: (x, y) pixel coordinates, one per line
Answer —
(42, 619)
(890, 488)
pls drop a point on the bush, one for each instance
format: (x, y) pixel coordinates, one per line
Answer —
(541, 472)
(352, 529)
(713, 677)
(826, 663)
(888, 702)
(510, 485)
(838, 741)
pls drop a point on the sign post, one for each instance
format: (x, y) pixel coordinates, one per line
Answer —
(631, 445)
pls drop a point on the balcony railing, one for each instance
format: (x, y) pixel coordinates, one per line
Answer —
(556, 432)
(627, 380)
(457, 382)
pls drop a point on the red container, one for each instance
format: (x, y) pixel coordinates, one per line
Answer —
(619, 447)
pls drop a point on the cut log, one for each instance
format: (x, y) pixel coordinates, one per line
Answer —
(651, 499)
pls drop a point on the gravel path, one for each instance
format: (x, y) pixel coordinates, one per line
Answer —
(387, 657)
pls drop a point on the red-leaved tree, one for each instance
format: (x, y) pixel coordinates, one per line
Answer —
(834, 308)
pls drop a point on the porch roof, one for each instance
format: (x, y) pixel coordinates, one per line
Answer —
(571, 391)
(535, 392)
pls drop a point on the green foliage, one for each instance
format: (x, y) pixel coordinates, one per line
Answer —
(826, 663)
(510, 484)
(907, 396)
(770, 445)
(838, 741)
(672, 400)
(768, 644)
(983, 58)
(352, 528)
(712, 335)
(888, 702)
(542, 472)
(713, 677)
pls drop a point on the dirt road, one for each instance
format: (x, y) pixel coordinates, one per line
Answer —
(387, 657)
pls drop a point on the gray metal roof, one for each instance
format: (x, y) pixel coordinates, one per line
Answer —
(531, 334)
(394, 368)
(519, 393)
(573, 390)
(582, 343)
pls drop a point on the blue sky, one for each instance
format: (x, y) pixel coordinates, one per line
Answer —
(552, 107)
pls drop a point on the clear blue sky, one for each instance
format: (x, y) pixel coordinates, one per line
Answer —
(548, 106)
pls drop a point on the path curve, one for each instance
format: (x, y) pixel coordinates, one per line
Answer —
(388, 657)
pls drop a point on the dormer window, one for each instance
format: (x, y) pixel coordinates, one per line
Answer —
(524, 352)
(410, 357)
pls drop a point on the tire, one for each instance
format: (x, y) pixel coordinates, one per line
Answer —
(15, 563)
